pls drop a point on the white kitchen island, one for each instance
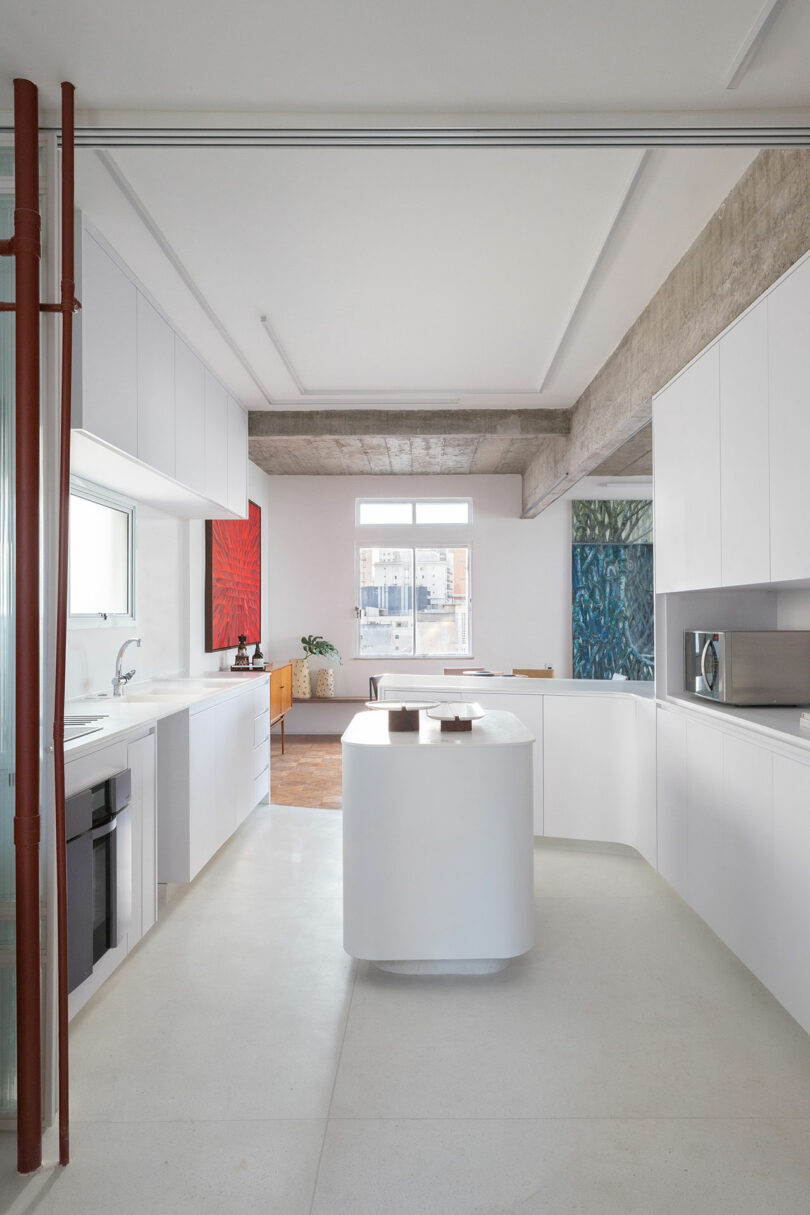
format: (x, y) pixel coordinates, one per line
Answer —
(437, 844)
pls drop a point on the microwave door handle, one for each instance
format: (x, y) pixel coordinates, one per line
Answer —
(703, 654)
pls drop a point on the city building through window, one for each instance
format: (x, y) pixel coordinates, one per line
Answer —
(414, 602)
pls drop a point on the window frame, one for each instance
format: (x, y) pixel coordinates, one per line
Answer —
(413, 545)
(109, 498)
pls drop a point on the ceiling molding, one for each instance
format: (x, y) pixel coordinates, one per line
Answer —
(442, 396)
(752, 43)
(169, 252)
(392, 423)
(771, 135)
(594, 275)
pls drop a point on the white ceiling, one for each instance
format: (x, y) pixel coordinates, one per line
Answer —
(448, 277)
(418, 56)
(499, 277)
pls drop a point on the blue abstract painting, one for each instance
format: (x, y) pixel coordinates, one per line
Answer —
(612, 589)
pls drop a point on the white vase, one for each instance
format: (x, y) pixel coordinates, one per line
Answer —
(301, 682)
(325, 683)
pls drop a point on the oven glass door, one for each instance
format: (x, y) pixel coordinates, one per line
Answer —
(105, 933)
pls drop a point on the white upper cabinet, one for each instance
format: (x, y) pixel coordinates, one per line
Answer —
(157, 424)
(744, 466)
(686, 456)
(789, 362)
(730, 441)
(216, 439)
(105, 399)
(189, 418)
(155, 351)
(237, 458)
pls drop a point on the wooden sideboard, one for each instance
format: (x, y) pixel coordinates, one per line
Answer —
(280, 696)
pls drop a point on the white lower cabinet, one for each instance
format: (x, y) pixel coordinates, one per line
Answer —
(734, 841)
(599, 770)
(791, 889)
(672, 801)
(141, 761)
(136, 873)
(207, 779)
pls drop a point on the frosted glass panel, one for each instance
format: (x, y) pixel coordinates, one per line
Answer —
(385, 513)
(442, 512)
(99, 558)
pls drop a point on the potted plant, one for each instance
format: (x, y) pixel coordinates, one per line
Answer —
(302, 682)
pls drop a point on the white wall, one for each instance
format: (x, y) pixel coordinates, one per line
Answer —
(521, 577)
(170, 604)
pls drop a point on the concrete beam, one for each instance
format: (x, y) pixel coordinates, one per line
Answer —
(761, 229)
(408, 423)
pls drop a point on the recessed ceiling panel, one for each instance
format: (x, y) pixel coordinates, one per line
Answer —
(389, 271)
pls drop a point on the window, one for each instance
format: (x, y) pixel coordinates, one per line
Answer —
(414, 602)
(101, 566)
(402, 512)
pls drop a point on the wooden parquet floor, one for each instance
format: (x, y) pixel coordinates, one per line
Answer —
(309, 773)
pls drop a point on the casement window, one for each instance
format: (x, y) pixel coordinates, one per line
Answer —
(413, 599)
(101, 559)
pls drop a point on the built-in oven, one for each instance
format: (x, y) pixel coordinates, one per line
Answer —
(93, 820)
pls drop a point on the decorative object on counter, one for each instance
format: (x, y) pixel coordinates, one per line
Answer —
(233, 580)
(242, 660)
(258, 658)
(325, 682)
(403, 715)
(316, 645)
(301, 681)
(456, 717)
(612, 588)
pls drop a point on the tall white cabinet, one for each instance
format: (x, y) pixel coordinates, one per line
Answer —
(789, 365)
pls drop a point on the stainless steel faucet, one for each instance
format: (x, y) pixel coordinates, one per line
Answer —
(120, 679)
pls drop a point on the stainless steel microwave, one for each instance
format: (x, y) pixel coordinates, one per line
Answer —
(749, 667)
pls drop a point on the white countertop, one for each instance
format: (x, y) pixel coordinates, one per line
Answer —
(495, 729)
(145, 703)
(521, 687)
(775, 722)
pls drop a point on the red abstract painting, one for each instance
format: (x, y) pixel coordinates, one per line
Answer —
(233, 580)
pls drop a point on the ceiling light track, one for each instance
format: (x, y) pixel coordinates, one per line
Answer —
(797, 136)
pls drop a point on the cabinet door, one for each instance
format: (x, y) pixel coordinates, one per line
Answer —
(704, 779)
(189, 400)
(216, 440)
(791, 904)
(285, 688)
(746, 920)
(276, 677)
(744, 463)
(108, 381)
(672, 803)
(229, 783)
(204, 744)
(686, 453)
(237, 458)
(141, 761)
(155, 389)
(789, 375)
(587, 748)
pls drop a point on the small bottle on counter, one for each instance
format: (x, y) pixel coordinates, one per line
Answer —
(258, 658)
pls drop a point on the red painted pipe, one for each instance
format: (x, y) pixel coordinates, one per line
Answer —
(26, 819)
(67, 306)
